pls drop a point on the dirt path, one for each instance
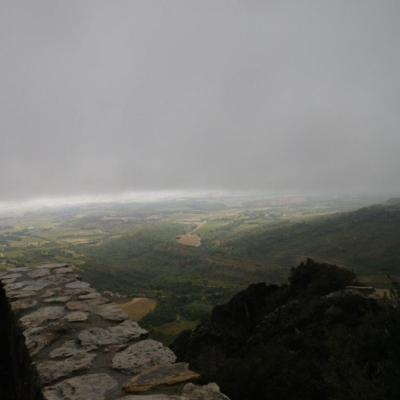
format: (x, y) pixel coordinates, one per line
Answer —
(191, 238)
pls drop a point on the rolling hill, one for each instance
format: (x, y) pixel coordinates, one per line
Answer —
(366, 240)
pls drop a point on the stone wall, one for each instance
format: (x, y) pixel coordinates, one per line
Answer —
(82, 345)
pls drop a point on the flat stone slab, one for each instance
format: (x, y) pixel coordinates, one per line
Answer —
(84, 387)
(120, 334)
(64, 270)
(77, 285)
(76, 292)
(53, 265)
(110, 312)
(68, 349)
(85, 305)
(77, 316)
(58, 299)
(189, 392)
(35, 285)
(52, 292)
(206, 392)
(39, 273)
(89, 296)
(169, 374)
(37, 339)
(8, 281)
(152, 397)
(42, 315)
(23, 304)
(19, 269)
(50, 370)
(14, 286)
(9, 276)
(62, 279)
(143, 355)
(20, 295)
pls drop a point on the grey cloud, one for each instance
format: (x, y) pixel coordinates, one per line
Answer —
(107, 96)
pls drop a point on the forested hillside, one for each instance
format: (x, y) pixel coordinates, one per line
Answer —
(367, 240)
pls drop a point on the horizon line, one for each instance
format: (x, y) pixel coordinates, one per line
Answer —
(151, 196)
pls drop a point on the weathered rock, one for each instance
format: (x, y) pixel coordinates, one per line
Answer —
(152, 397)
(77, 316)
(77, 285)
(59, 299)
(38, 338)
(143, 355)
(84, 387)
(61, 279)
(52, 292)
(9, 276)
(53, 265)
(14, 286)
(77, 306)
(89, 296)
(120, 334)
(20, 295)
(35, 285)
(206, 392)
(76, 292)
(50, 370)
(39, 273)
(68, 349)
(18, 269)
(23, 304)
(42, 315)
(85, 305)
(65, 270)
(169, 374)
(111, 312)
(189, 392)
(8, 281)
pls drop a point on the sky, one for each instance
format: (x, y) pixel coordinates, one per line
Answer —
(102, 97)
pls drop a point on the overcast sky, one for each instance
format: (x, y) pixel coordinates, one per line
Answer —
(112, 96)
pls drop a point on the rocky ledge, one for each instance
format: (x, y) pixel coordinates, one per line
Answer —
(84, 347)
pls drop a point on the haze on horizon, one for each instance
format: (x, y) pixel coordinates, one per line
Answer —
(118, 96)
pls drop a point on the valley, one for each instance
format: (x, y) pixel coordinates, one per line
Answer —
(169, 263)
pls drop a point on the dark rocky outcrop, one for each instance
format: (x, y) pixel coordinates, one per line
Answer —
(18, 378)
(227, 330)
(316, 338)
